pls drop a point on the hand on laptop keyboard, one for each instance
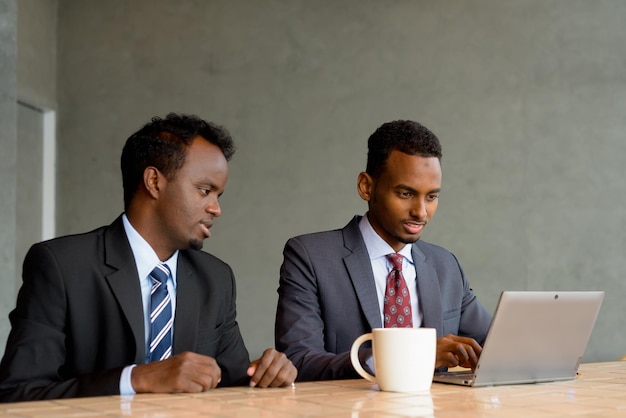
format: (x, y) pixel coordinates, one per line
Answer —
(453, 351)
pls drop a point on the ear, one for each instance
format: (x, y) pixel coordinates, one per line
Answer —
(365, 186)
(152, 181)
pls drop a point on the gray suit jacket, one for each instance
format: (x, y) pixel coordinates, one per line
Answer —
(327, 298)
(79, 317)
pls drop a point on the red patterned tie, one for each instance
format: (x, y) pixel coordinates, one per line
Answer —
(397, 303)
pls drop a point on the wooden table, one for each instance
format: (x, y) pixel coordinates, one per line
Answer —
(600, 391)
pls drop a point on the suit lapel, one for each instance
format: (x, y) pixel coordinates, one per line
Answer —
(186, 319)
(124, 282)
(359, 269)
(428, 291)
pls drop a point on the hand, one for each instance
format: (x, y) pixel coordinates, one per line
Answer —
(273, 369)
(455, 351)
(185, 372)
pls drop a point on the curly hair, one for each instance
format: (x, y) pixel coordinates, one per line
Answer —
(406, 136)
(162, 143)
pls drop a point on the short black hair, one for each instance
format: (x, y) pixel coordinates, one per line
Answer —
(406, 136)
(162, 143)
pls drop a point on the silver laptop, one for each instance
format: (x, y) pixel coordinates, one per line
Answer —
(535, 336)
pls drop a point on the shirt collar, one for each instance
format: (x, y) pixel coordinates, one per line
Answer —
(376, 246)
(145, 256)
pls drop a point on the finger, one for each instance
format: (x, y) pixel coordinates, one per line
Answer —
(261, 369)
(200, 370)
(191, 386)
(468, 352)
(207, 382)
(283, 371)
(286, 376)
(212, 377)
(252, 368)
(446, 358)
(461, 354)
(275, 377)
(472, 360)
(452, 355)
(274, 369)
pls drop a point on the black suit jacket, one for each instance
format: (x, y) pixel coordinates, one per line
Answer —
(327, 298)
(79, 317)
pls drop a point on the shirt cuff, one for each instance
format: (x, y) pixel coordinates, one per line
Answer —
(126, 388)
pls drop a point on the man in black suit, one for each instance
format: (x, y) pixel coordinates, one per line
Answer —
(81, 326)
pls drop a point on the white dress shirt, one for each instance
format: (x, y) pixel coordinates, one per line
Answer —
(146, 260)
(378, 250)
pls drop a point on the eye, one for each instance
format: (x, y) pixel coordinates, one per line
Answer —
(205, 192)
(432, 197)
(405, 195)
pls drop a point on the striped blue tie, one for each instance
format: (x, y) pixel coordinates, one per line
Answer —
(160, 315)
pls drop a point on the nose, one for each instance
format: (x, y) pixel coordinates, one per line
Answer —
(419, 209)
(214, 208)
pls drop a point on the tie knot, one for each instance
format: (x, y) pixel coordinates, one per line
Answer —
(161, 272)
(396, 260)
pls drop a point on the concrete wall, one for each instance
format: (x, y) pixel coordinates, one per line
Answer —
(8, 157)
(27, 76)
(36, 88)
(36, 66)
(527, 97)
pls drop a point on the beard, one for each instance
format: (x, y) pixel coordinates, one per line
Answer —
(410, 240)
(196, 244)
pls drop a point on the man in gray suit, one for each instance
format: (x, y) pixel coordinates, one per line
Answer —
(333, 284)
(87, 319)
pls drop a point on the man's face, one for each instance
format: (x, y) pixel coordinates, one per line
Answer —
(188, 203)
(404, 198)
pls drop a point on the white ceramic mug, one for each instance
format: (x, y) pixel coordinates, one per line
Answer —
(404, 358)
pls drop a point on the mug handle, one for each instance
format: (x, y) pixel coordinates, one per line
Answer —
(354, 357)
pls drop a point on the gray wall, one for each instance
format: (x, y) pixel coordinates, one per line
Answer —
(36, 87)
(8, 157)
(27, 76)
(36, 65)
(527, 97)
